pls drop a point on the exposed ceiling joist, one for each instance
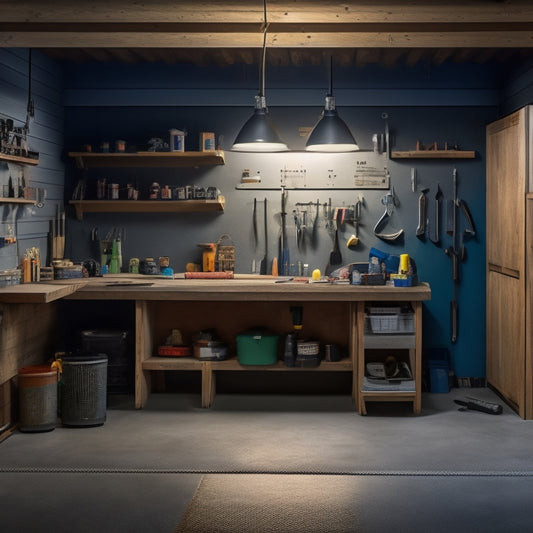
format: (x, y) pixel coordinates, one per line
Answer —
(299, 31)
(278, 11)
(238, 24)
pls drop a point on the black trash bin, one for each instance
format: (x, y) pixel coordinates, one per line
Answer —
(84, 390)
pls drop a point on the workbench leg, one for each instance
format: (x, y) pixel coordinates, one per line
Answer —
(417, 404)
(208, 384)
(143, 350)
(359, 361)
(353, 351)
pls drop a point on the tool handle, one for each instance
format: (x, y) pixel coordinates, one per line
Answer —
(471, 229)
(453, 319)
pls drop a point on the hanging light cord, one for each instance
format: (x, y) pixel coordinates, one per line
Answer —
(263, 57)
(330, 93)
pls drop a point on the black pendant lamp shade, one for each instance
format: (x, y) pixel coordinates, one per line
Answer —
(259, 133)
(331, 134)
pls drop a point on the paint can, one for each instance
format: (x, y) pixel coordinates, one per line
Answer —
(177, 140)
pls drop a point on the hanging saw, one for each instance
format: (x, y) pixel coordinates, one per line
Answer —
(390, 200)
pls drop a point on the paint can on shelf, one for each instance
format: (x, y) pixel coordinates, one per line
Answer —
(177, 140)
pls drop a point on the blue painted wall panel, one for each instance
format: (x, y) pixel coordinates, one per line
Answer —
(46, 136)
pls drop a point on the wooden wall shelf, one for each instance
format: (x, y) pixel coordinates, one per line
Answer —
(16, 201)
(147, 206)
(19, 159)
(148, 159)
(434, 154)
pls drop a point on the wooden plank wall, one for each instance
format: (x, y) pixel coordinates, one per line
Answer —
(26, 338)
(46, 136)
(26, 330)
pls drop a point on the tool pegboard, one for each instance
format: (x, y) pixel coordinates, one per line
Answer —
(312, 171)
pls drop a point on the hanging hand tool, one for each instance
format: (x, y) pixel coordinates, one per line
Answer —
(284, 245)
(413, 179)
(354, 239)
(422, 213)
(314, 234)
(335, 257)
(254, 221)
(263, 264)
(457, 254)
(435, 239)
(451, 222)
(389, 200)
(468, 232)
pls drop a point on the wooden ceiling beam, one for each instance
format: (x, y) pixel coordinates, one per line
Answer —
(278, 11)
(390, 39)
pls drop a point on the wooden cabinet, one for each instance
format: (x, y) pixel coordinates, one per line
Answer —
(509, 238)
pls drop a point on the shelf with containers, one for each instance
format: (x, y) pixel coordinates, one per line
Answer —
(232, 319)
(391, 337)
(88, 160)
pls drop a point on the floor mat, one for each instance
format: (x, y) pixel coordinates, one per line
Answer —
(263, 503)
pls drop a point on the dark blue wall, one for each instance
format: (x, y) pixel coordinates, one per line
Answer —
(449, 102)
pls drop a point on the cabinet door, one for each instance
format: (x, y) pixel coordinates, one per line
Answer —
(506, 338)
(506, 189)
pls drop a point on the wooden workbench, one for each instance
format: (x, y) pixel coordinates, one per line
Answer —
(333, 313)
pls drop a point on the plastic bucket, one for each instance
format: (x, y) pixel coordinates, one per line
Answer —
(37, 388)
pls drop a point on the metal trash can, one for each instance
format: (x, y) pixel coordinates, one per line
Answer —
(84, 390)
(37, 392)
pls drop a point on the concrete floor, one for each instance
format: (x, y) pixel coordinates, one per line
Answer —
(442, 471)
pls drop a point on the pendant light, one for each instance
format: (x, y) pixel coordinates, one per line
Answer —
(331, 134)
(259, 133)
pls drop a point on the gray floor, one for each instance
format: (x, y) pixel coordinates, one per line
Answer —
(442, 471)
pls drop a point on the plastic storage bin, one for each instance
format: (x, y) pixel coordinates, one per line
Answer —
(438, 368)
(37, 386)
(257, 348)
(84, 390)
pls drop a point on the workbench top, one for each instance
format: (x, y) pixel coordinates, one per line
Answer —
(241, 288)
(34, 293)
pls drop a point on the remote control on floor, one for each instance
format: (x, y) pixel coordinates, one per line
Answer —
(480, 405)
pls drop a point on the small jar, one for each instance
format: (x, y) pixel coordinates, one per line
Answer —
(155, 191)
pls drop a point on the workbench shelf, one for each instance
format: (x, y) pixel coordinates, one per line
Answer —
(19, 159)
(147, 206)
(147, 159)
(407, 347)
(209, 369)
(434, 154)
